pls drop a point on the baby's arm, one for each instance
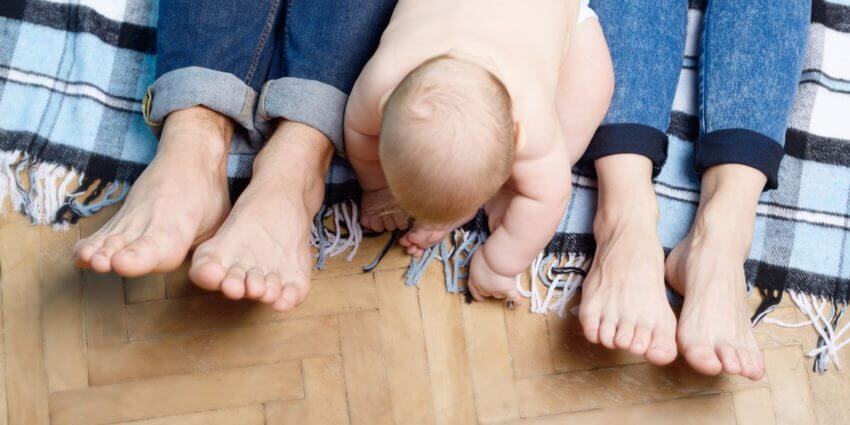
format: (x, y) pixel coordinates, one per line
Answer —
(362, 128)
(542, 188)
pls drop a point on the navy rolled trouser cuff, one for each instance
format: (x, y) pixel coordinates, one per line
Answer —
(740, 146)
(613, 139)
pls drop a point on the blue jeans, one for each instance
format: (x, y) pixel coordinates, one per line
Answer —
(750, 61)
(256, 61)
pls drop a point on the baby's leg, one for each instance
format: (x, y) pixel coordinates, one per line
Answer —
(623, 297)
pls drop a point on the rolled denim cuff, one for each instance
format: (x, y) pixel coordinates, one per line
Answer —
(195, 86)
(309, 102)
(740, 146)
(613, 139)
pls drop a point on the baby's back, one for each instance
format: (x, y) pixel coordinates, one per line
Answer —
(526, 41)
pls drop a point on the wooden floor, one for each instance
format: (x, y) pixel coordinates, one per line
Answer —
(79, 348)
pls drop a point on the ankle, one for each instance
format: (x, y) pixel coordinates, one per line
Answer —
(198, 129)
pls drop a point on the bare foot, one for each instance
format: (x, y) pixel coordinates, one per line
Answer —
(262, 250)
(423, 235)
(624, 303)
(178, 201)
(707, 268)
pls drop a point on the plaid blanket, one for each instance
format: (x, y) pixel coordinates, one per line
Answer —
(72, 140)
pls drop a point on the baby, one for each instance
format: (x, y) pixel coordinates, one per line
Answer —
(478, 103)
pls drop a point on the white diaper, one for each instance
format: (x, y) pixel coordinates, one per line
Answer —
(585, 12)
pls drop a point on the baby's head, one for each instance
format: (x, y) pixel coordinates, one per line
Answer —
(447, 139)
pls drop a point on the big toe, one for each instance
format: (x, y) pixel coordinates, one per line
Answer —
(138, 258)
(703, 359)
(662, 349)
(207, 273)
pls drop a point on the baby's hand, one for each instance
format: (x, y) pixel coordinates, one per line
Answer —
(379, 211)
(484, 282)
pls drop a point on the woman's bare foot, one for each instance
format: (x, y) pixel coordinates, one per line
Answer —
(262, 250)
(707, 268)
(624, 303)
(179, 200)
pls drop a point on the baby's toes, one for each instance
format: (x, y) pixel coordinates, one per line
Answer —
(255, 284)
(233, 285)
(625, 334)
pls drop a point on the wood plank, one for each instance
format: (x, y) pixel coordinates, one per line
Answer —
(365, 374)
(528, 337)
(830, 390)
(704, 410)
(214, 311)
(789, 385)
(175, 395)
(145, 288)
(571, 351)
(62, 311)
(177, 283)
(404, 349)
(754, 407)
(325, 402)
(270, 343)
(445, 343)
(338, 266)
(619, 386)
(20, 285)
(772, 336)
(248, 415)
(489, 361)
(103, 294)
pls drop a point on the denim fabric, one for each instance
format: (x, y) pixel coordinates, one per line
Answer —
(750, 60)
(260, 60)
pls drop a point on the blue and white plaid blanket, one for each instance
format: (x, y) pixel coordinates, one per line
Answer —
(72, 139)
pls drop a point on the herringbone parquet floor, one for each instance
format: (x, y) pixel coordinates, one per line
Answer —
(79, 348)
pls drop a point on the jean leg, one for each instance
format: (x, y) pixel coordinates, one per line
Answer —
(752, 58)
(647, 41)
(214, 53)
(326, 45)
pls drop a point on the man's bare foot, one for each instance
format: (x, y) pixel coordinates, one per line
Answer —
(624, 303)
(262, 250)
(707, 268)
(179, 200)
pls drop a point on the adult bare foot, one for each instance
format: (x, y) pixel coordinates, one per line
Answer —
(262, 250)
(624, 303)
(179, 200)
(707, 268)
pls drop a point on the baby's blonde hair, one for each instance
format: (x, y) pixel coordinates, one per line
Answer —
(447, 139)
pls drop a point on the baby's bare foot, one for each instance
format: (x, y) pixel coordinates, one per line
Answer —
(179, 200)
(624, 303)
(262, 250)
(423, 236)
(715, 334)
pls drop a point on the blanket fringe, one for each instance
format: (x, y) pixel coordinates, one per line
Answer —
(52, 194)
(824, 317)
(455, 252)
(560, 275)
(345, 235)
